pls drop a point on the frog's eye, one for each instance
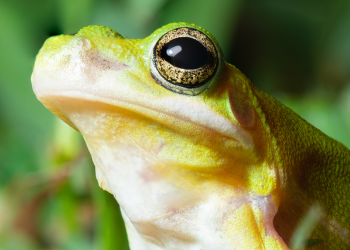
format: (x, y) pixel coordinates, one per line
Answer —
(184, 60)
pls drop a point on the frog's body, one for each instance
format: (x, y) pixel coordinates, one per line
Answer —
(193, 168)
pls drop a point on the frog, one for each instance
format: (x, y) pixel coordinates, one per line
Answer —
(196, 156)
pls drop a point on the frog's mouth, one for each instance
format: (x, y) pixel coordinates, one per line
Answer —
(206, 119)
(183, 108)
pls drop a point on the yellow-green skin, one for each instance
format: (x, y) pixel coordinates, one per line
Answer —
(231, 143)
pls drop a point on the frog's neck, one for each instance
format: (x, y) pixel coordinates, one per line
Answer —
(216, 224)
(163, 210)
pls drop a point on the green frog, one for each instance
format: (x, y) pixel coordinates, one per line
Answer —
(196, 156)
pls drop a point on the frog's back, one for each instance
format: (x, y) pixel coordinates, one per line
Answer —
(317, 173)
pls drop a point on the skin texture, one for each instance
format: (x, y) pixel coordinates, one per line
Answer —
(227, 168)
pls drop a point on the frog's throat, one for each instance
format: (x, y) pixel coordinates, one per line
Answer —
(163, 210)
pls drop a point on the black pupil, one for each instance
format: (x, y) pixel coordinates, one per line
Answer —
(185, 53)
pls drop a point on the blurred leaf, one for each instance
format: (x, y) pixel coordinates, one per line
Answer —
(66, 142)
(132, 19)
(312, 242)
(24, 121)
(73, 15)
(218, 17)
(305, 227)
(110, 228)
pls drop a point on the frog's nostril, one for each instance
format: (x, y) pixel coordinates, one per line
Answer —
(81, 43)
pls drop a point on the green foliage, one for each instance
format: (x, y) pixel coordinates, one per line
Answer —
(297, 51)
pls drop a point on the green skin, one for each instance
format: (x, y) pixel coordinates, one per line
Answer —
(317, 170)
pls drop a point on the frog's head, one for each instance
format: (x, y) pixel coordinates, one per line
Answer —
(173, 132)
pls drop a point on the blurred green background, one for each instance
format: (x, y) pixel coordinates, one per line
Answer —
(295, 50)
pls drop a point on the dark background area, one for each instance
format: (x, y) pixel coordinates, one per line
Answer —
(297, 51)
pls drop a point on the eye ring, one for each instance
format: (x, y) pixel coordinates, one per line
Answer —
(184, 79)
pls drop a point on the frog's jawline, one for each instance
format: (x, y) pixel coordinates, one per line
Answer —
(231, 131)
